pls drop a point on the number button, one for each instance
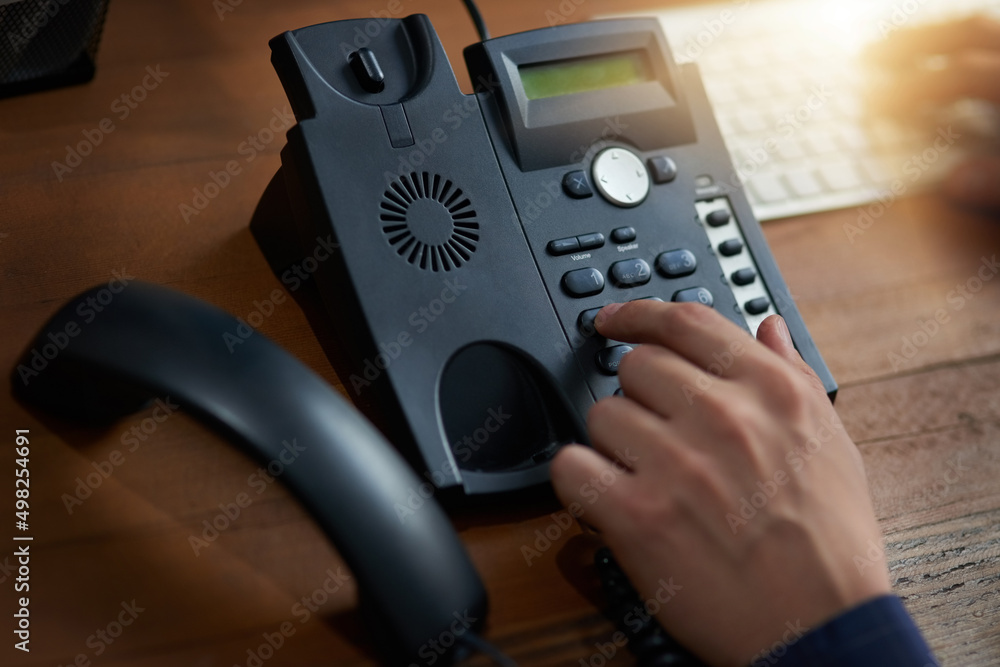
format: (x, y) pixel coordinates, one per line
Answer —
(583, 282)
(630, 272)
(695, 295)
(609, 358)
(676, 263)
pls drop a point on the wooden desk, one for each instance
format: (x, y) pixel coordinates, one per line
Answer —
(929, 426)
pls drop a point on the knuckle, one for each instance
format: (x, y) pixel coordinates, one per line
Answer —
(687, 316)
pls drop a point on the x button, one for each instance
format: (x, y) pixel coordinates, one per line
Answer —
(577, 185)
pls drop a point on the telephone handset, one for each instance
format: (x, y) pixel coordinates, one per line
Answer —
(478, 235)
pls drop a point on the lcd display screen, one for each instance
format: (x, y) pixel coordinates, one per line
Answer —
(566, 77)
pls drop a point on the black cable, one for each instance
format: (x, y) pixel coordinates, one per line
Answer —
(477, 18)
(476, 642)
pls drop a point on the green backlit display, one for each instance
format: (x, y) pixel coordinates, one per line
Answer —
(579, 75)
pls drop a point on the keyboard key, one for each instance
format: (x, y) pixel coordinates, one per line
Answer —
(768, 188)
(803, 183)
(790, 149)
(821, 143)
(841, 176)
(751, 121)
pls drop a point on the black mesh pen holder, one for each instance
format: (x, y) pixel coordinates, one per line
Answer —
(48, 43)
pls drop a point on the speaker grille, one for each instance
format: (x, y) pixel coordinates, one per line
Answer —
(46, 43)
(442, 244)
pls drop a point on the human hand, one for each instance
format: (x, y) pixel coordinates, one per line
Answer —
(939, 65)
(744, 493)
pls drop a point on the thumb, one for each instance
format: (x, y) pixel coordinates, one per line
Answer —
(975, 182)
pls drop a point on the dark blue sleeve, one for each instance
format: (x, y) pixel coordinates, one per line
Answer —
(877, 633)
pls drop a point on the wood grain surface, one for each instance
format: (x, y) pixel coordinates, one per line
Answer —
(927, 423)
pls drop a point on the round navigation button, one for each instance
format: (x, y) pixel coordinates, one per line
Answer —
(621, 176)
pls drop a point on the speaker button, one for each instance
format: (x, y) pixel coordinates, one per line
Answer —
(623, 235)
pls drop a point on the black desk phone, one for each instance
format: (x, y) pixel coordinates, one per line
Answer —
(479, 234)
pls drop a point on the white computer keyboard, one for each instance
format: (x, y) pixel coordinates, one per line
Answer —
(788, 89)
